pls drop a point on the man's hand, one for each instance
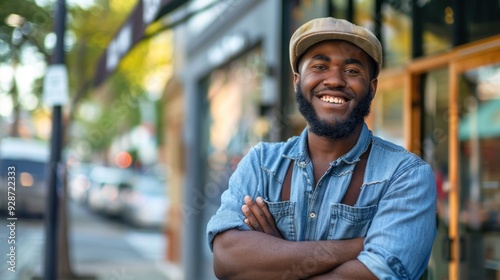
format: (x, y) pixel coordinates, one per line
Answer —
(258, 217)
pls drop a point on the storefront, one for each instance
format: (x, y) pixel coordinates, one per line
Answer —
(455, 102)
(230, 79)
(439, 96)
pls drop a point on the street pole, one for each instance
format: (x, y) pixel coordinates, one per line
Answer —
(54, 183)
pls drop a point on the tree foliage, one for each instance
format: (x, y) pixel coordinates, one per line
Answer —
(34, 26)
(95, 115)
(23, 29)
(117, 102)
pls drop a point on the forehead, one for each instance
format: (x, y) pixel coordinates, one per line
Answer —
(337, 48)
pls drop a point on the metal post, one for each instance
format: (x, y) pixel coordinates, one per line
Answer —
(192, 255)
(378, 23)
(350, 11)
(417, 32)
(54, 181)
(287, 28)
(459, 29)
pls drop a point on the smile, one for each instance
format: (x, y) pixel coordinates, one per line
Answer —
(332, 99)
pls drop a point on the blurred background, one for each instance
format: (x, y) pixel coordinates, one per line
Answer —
(166, 96)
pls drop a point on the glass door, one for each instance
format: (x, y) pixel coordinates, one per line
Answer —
(434, 87)
(477, 173)
(452, 116)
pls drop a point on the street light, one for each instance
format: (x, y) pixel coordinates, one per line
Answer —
(14, 20)
(55, 91)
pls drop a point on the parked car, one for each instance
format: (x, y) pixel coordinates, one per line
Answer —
(24, 162)
(146, 202)
(104, 194)
(79, 181)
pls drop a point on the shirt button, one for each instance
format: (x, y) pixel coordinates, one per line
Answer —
(312, 215)
(302, 164)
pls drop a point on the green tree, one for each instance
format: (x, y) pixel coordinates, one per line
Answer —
(93, 28)
(23, 30)
(112, 109)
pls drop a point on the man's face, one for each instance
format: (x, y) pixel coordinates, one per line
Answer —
(334, 88)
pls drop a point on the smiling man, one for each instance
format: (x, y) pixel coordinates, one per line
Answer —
(335, 202)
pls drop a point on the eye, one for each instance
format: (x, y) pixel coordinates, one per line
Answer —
(319, 67)
(352, 71)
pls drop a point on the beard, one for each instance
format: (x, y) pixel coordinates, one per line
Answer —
(341, 128)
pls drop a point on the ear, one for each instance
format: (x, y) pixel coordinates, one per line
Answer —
(296, 79)
(373, 87)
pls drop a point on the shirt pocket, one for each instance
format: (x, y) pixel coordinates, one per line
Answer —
(283, 213)
(348, 222)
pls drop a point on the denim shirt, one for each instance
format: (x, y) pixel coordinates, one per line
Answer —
(395, 211)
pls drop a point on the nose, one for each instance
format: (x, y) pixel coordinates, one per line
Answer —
(334, 78)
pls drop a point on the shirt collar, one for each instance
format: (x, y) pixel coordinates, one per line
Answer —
(299, 151)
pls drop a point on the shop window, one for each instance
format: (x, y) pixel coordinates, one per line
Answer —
(234, 100)
(483, 18)
(396, 32)
(437, 18)
(233, 118)
(434, 149)
(339, 9)
(387, 115)
(305, 10)
(363, 13)
(435, 140)
(479, 136)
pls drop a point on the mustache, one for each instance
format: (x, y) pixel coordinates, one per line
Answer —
(325, 89)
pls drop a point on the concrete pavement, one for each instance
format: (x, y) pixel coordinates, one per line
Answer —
(98, 247)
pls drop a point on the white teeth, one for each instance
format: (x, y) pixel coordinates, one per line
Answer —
(331, 99)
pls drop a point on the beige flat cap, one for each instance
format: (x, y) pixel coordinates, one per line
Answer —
(322, 29)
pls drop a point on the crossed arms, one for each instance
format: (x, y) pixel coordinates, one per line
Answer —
(262, 253)
(397, 244)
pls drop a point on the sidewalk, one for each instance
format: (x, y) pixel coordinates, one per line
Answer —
(98, 248)
(105, 250)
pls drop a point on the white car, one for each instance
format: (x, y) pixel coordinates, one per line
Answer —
(25, 163)
(104, 194)
(146, 203)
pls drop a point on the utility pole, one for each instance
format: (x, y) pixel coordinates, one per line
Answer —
(56, 94)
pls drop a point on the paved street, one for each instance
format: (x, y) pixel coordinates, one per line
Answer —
(99, 247)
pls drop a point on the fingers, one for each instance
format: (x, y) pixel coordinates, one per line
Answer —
(265, 210)
(271, 224)
(250, 219)
(256, 217)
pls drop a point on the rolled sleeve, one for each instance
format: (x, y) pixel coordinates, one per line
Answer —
(399, 241)
(227, 217)
(244, 181)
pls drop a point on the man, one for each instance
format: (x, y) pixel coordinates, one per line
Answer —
(270, 228)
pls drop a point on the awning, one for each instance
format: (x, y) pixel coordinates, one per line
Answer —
(131, 32)
(482, 123)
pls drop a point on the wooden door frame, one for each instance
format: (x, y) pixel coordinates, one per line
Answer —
(388, 79)
(458, 60)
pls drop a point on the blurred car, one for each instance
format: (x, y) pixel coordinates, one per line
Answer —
(30, 159)
(79, 181)
(104, 194)
(146, 202)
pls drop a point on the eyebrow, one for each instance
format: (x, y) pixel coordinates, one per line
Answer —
(354, 61)
(321, 57)
(346, 61)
